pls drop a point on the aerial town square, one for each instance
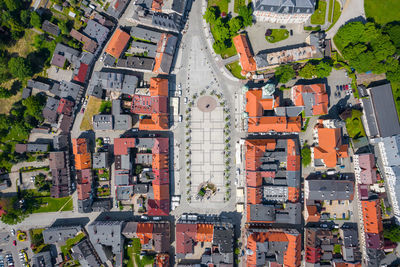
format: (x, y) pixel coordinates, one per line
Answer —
(199, 133)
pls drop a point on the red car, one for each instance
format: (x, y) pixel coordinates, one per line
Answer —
(82, 110)
(15, 242)
(346, 86)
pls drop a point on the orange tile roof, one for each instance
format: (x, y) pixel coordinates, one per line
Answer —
(292, 254)
(121, 145)
(157, 5)
(83, 161)
(144, 232)
(277, 124)
(160, 161)
(158, 87)
(79, 146)
(117, 44)
(254, 195)
(162, 260)
(372, 216)
(246, 57)
(253, 179)
(293, 194)
(320, 95)
(161, 192)
(313, 214)
(204, 232)
(255, 104)
(330, 146)
(158, 122)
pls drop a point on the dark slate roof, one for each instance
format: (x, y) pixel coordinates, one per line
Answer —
(26, 93)
(60, 234)
(286, 6)
(385, 110)
(96, 31)
(137, 63)
(146, 34)
(42, 259)
(66, 123)
(117, 9)
(84, 253)
(330, 190)
(223, 237)
(85, 205)
(51, 28)
(102, 205)
(60, 142)
(179, 6)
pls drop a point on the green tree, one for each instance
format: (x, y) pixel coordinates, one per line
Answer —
(19, 67)
(393, 30)
(41, 183)
(323, 69)
(219, 47)
(25, 17)
(13, 5)
(34, 105)
(392, 232)
(284, 73)
(308, 71)
(36, 20)
(221, 30)
(63, 25)
(246, 12)
(394, 76)
(306, 155)
(211, 14)
(235, 25)
(349, 33)
(5, 93)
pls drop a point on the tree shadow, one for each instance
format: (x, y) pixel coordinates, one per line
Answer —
(16, 87)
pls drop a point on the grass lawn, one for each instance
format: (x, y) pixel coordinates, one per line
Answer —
(354, 125)
(337, 249)
(238, 3)
(336, 14)
(382, 11)
(24, 45)
(396, 96)
(306, 155)
(222, 4)
(133, 255)
(70, 243)
(277, 35)
(235, 69)
(49, 204)
(319, 15)
(92, 108)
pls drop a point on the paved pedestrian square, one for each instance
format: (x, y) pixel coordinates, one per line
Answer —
(207, 147)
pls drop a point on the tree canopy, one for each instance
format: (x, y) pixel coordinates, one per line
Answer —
(284, 73)
(19, 67)
(246, 12)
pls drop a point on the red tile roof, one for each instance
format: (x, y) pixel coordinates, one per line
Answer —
(121, 145)
(117, 44)
(84, 190)
(65, 106)
(82, 73)
(321, 99)
(245, 56)
(277, 124)
(330, 146)
(185, 238)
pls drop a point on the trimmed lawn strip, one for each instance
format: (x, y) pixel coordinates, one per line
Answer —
(235, 69)
(319, 15)
(354, 125)
(336, 14)
(222, 4)
(92, 108)
(49, 204)
(330, 10)
(396, 96)
(277, 35)
(70, 243)
(382, 12)
(238, 3)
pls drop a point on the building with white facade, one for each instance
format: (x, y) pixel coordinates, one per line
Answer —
(284, 11)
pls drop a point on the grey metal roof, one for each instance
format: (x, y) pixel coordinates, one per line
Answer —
(38, 85)
(69, 53)
(370, 116)
(137, 63)
(145, 34)
(70, 90)
(60, 234)
(33, 147)
(96, 31)
(141, 188)
(142, 47)
(85, 205)
(121, 179)
(385, 110)
(117, 9)
(106, 233)
(392, 150)
(147, 143)
(129, 84)
(100, 160)
(60, 142)
(122, 122)
(179, 6)
(330, 189)
(26, 93)
(102, 205)
(84, 254)
(42, 259)
(116, 107)
(51, 28)
(124, 192)
(286, 6)
(112, 81)
(102, 122)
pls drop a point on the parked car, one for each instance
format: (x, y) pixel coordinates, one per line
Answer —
(180, 118)
(83, 110)
(185, 100)
(13, 232)
(15, 243)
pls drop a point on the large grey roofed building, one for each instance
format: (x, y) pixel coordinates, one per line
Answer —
(112, 81)
(329, 190)
(38, 85)
(143, 48)
(96, 31)
(42, 259)
(385, 110)
(117, 7)
(137, 63)
(106, 235)
(102, 122)
(286, 6)
(100, 160)
(145, 34)
(60, 234)
(84, 253)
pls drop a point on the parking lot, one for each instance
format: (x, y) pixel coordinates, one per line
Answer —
(7, 247)
(28, 179)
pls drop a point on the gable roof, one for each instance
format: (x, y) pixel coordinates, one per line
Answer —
(245, 55)
(313, 97)
(117, 44)
(330, 146)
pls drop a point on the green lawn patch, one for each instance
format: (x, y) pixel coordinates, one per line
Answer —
(230, 51)
(319, 15)
(330, 10)
(238, 3)
(49, 204)
(354, 125)
(396, 96)
(222, 4)
(70, 243)
(132, 254)
(235, 69)
(306, 155)
(314, 29)
(337, 249)
(336, 14)
(383, 11)
(277, 35)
